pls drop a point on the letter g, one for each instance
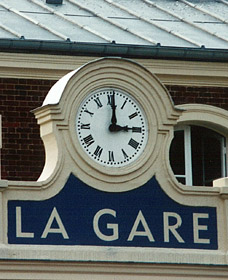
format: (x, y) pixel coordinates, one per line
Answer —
(114, 227)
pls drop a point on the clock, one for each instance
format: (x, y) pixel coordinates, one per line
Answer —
(111, 127)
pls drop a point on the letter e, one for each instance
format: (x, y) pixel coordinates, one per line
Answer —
(197, 227)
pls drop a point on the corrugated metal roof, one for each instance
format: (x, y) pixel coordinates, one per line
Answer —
(182, 23)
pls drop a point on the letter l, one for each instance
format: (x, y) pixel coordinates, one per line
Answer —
(19, 232)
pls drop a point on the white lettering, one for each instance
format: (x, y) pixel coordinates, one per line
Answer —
(60, 229)
(197, 228)
(113, 227)
(19, 232)
(172, 228)
(146, 232)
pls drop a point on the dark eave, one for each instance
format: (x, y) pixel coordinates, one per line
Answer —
(112, 49)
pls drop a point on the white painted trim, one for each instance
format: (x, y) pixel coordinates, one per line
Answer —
(188, 155)
(170, 72)
(69, 92)
(107, 271)
(112, 254)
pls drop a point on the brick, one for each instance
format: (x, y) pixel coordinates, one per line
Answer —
(20, 130)
(205, 95)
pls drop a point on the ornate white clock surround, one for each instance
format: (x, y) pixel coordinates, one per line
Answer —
(66, 99)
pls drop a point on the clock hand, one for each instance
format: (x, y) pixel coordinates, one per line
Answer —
(113, 126)
(116, 128)
(113, 119)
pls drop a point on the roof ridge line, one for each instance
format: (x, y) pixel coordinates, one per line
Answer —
(71, 21)
(113, 23)
(155, 24)
(33, 21)
(224, 2)
(186, 21)
(204, 11)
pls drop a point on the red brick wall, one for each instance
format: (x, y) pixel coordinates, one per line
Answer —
(22, 155)
(207, 95)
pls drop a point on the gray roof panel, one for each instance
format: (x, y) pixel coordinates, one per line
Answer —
(5, 34)
(177, 23)
(21, 24)
(215, 8)
(196, 21)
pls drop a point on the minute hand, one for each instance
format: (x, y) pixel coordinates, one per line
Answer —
(113, 119)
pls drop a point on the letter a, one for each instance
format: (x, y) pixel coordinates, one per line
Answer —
(146, 232)
(60, 229)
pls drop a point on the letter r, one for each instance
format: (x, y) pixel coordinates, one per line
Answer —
(172, 228)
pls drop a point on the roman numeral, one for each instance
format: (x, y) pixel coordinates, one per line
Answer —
(85, 126)
(98, 102)
(98, 151)
(134, 144)
(133, 115)
(110, 100)
(111, 156)
(88, 140)
(123, 104)
(124, 154)
(137, 129)
(88, 112)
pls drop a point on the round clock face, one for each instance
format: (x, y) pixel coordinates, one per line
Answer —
(111, 127)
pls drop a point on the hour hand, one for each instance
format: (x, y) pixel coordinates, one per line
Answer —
(116, 128)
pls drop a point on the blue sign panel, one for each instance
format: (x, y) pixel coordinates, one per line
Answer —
(81, 215)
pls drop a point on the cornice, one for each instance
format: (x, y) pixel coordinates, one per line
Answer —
(86, 270)
(170, 72)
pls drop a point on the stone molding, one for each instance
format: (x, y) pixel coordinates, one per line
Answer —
(170, 72)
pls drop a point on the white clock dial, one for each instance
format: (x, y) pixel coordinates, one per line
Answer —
(111, 127)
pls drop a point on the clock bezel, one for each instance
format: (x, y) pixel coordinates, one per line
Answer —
(118, 92)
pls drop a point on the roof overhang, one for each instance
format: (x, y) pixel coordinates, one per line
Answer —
(112, 49)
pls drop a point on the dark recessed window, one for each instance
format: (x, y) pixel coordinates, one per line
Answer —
(198, 155)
